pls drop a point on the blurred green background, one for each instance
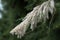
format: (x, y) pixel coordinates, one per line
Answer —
(12, 12)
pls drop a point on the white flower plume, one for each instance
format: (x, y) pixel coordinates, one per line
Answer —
(38, 14)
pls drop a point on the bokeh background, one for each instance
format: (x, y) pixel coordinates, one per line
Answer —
(12, 13)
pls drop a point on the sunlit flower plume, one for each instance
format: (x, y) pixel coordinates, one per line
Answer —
(38, 14)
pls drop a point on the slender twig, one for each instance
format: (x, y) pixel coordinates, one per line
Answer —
(49, 26)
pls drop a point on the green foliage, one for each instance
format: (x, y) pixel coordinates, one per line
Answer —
(16, 10)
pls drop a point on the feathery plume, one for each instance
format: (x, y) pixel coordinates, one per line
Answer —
(38, 14)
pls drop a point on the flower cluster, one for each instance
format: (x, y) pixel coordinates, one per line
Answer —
(38, 14)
